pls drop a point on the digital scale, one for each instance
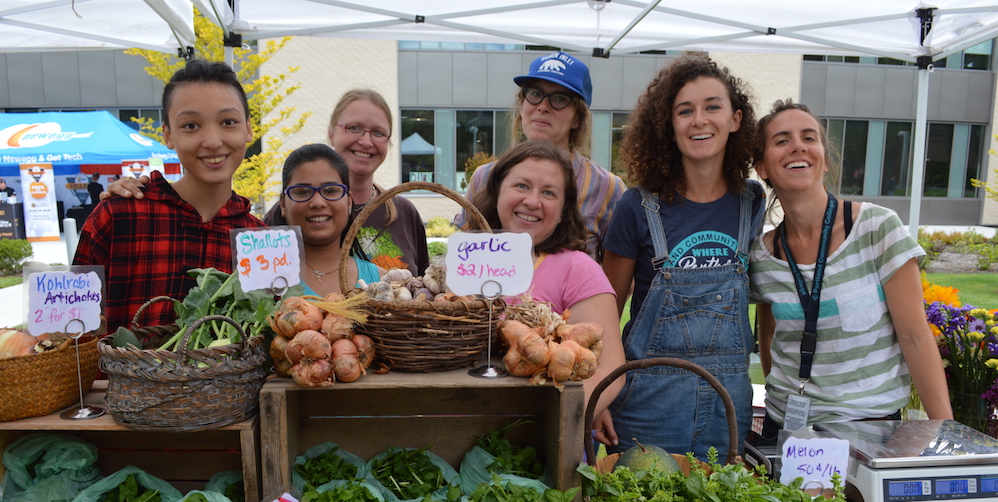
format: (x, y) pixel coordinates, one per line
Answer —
(914, 460)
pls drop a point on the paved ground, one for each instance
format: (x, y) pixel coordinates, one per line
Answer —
(12, 307)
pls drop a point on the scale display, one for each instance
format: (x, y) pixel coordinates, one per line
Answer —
(941, 488)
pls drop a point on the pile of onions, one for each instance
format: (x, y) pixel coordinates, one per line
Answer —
(315, 343)
(567, 352)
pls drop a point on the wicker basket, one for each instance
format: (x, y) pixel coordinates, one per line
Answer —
(36, 385)
(637, 364)
(186, 390)
(425, 336)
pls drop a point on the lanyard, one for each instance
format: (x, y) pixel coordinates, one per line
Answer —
(810, 301)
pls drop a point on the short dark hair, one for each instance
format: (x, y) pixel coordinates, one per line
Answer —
(310, 153)
(570, 233)
(199, 71)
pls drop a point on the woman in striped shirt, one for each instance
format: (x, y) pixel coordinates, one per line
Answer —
(842, 328)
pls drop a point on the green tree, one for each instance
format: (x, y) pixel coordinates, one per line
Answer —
(990, 188)
(266, 95)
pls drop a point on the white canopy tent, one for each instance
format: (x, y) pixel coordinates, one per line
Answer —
(899, 29)
(53, 25)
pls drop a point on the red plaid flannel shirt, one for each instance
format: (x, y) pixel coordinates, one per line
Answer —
(147, 246)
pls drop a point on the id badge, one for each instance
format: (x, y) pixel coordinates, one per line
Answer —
(798, 407)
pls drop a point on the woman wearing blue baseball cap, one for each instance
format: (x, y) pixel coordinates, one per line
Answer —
(553, 104)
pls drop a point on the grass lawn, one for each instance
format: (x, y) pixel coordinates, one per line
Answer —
(10, 280)
(979, 290)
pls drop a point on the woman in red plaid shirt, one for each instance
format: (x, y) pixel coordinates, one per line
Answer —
(148, 244)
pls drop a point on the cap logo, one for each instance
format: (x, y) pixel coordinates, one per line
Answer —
(552, 65)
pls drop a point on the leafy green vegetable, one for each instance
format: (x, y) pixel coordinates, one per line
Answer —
(324, 468)
(129, 491)
(236, 492)
(409, 474)
(219, 293)
(510, 459)
(505, 491)
(124, 337)
(726, 483)
(351, 491)
(195, 497)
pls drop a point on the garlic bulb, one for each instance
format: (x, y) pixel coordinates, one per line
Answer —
(434, 278)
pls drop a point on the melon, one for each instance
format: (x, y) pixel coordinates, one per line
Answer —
(648, 458)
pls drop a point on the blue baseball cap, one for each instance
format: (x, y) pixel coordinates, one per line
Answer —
(564, 70)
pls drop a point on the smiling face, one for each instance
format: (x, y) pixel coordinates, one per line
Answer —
(208, 130)
(322, 221)
(794, 155)
(543, 121)
(702, 118)
(362, 155)
(531, 198)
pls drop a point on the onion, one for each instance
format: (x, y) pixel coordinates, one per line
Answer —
(517, 365)
(365, 349)
(563, 357)
(308, 345)
(343, 347)
(336, 327)
(318, 373)
(347, 367)
(585, 334)
(535, 349)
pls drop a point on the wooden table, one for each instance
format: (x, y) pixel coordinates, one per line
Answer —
(446, 410)
(184, 459)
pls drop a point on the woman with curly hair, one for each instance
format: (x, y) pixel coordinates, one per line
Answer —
(682, 235)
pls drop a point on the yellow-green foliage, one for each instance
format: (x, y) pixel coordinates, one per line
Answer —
(266, 94)
(439, 227)
(992, 187)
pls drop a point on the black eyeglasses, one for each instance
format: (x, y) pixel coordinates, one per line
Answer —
(304, 193)
(376, 135)
(535, 96)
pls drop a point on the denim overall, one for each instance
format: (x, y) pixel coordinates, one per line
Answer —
(696, 314)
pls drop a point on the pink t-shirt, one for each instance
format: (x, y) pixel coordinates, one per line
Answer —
(566, 278)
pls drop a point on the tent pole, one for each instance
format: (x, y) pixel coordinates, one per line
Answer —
(918, 166)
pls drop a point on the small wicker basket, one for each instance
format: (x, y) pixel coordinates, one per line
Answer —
(39, 384)
(425, 336)
(187, 390)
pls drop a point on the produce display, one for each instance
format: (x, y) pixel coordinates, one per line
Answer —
(352, 491)
(411, 474)
(319, 470)
(510, 459)
(315, 343)
(131, 491)
(542, 345)
(14, 343)
(399, 285)
(732, 482)
(505, 491)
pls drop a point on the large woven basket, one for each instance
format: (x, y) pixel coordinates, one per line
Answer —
(36, 385)
(187, 390)
(425, 336)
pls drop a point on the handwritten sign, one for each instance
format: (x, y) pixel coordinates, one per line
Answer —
(57, 297)
(264, 256)
(814, 459)
(473, 259)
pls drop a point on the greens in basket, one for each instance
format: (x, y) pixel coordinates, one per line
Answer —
(348, 492)
(130, 491)
(410, 474)
(510, 459)
(728, 483)
(218, 293)
(324, 468)
(500, 491)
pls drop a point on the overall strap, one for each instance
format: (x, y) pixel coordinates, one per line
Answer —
(745, 221)
(651, 204)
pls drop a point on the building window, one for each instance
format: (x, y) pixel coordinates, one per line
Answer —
(417, 145)
(897, 159)
(475, 141)
(618, 128)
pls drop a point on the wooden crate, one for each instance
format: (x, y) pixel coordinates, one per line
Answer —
(446, 410)
(184, 459)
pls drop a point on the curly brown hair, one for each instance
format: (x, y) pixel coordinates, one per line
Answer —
(649, 148)
(571, 231)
